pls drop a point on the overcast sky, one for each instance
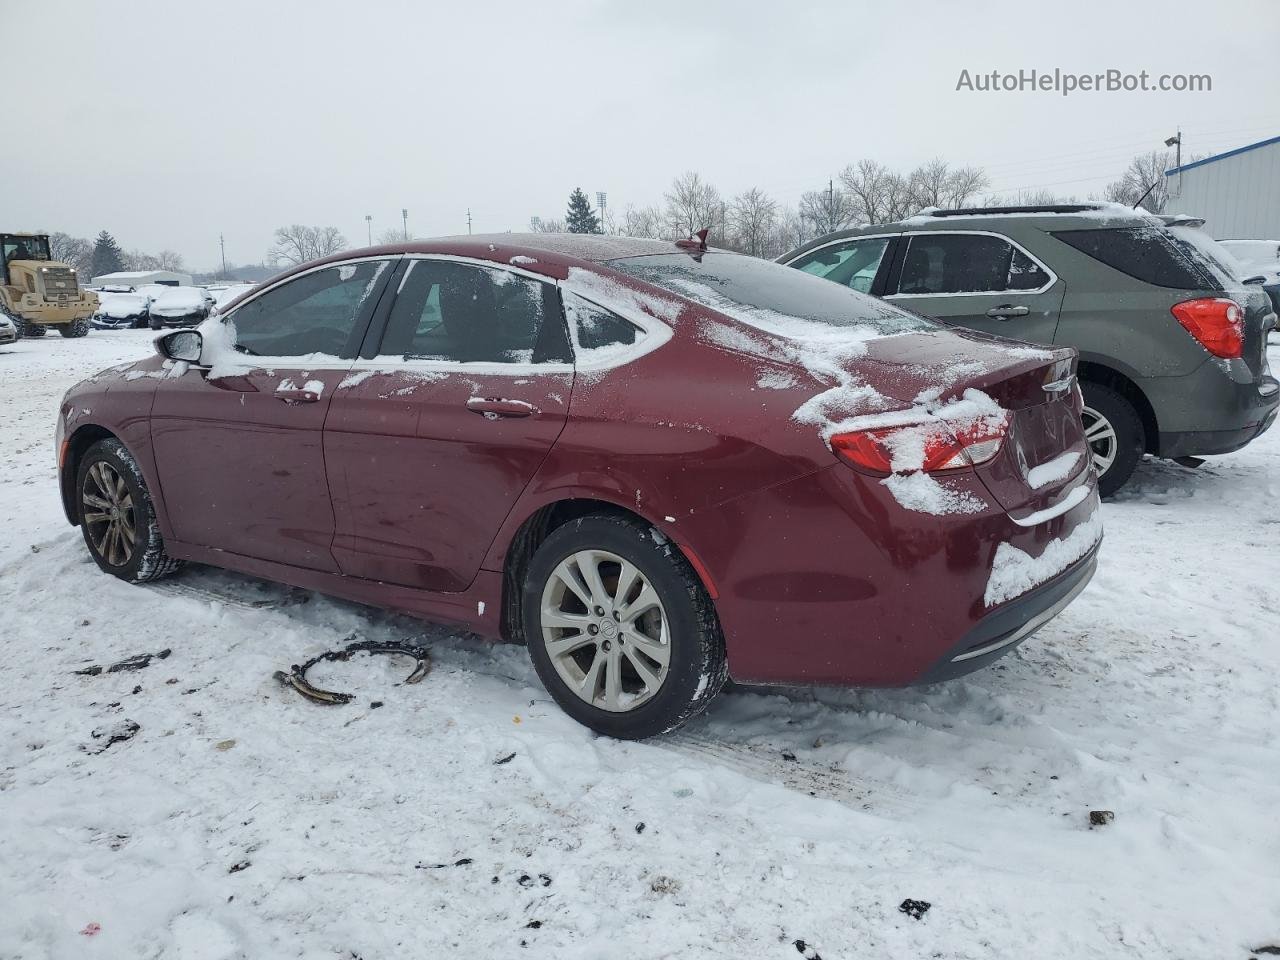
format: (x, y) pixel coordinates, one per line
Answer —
(170, 122)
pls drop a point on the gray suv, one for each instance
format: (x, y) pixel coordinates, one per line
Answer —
(1172, 347)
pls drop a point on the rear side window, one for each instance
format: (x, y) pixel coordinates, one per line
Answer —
(946, 263)
(1146, 253)
(853, 263)
(470, 314)
(597, 333)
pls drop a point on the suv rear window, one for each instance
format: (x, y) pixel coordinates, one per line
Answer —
(766, 294)
(1146, 253)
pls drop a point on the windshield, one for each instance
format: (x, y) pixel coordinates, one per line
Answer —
(25, 248)
(766, 294)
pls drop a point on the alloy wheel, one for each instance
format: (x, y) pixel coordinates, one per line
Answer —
(605, 630)
(108, 512)
(1100, 435)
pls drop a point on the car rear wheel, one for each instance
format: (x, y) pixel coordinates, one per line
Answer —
(74, 329)
(117, 517)
(1113, 431)
(620, 629)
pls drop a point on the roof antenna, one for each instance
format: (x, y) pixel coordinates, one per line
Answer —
(700, 244)
(1147, 194)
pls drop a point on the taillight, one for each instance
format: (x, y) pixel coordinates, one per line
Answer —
(1215, 322)
(931, 447)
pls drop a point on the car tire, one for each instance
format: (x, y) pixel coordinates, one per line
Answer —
(110, 491)
(619, 653)
(1114, 433)
(75, 329)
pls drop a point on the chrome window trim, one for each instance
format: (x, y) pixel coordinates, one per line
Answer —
(1053, 277)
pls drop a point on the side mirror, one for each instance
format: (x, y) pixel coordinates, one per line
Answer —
(184, 345)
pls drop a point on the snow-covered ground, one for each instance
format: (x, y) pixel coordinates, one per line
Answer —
(467, 817)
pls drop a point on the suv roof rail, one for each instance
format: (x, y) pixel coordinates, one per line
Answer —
(1037, 208)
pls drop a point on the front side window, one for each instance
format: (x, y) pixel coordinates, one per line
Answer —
(853, 263)
(946, 263)
(25, 248)
(314, 313)
(465, 313)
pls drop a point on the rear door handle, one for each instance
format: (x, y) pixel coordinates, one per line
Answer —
(1007, 310)
(297, 396)
(493, 408)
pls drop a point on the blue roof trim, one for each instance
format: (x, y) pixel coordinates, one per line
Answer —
(1223, 156)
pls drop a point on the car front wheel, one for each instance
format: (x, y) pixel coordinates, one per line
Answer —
(117, 517)
(620, 629)
(1113, 431)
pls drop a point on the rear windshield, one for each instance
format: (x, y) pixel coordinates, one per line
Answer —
(1147, 253)
(767, 294)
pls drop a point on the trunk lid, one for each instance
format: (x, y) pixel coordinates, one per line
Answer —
(1044, 453)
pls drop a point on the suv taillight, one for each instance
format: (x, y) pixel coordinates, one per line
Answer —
(930, 447)
(1215, 322)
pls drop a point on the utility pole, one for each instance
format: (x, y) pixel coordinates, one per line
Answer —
(468, 220)
(222, 243)
(601, 199)
(831, 205)
(404, 215)
(368, 222)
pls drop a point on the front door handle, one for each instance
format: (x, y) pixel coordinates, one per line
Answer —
(1007, 310)
(492, 408)
(297, 396)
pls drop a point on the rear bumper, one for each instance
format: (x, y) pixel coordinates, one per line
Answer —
(1218, 409)
(1002, 631)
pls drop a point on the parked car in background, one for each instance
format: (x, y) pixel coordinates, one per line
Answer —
(653, 464)
(180, 307)
(1172, 347)
(9, 331)
(225, 294)
(1258, 258)
(121, 311)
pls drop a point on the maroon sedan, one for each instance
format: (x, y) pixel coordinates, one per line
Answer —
(656, 465)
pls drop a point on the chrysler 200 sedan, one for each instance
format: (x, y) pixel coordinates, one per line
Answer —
(656, 465)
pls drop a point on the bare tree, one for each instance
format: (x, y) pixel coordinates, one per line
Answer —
(828, 210)
(393, 235)
(879, 195)
(753, 215)
(538, 225)
(793, 231)
(1144, 175)
(298, 243)
(641, 222)
(169, 260)
(137, 260)
(692, 204)
(77, 252)
(936, 184)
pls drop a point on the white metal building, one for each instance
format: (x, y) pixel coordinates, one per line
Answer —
(136, 278)
(1237, 192)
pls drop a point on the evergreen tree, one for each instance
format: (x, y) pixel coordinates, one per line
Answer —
(581, 218)
(107, 256)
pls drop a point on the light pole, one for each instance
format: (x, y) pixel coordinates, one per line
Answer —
(404, 215)
(601, 197)
(1176, 141)
(368, 222)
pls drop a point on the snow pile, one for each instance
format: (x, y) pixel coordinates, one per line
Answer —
(1055, 470)
(1014, 571)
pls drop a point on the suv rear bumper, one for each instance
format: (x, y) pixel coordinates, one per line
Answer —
(1212, 410)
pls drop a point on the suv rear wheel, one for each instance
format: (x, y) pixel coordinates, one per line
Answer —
(1113, 430)
(620, 629)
